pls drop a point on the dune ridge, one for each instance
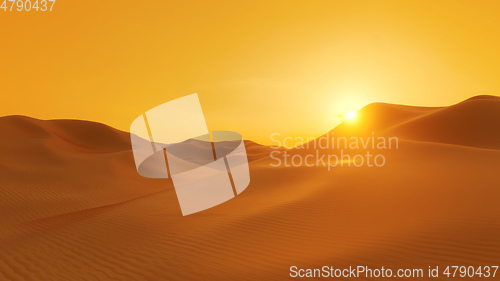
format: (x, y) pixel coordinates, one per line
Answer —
(472, 122)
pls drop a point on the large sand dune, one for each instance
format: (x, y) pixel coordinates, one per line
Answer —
(72, 206)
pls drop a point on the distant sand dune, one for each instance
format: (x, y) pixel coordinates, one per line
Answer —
(72, 206)
(474, 122)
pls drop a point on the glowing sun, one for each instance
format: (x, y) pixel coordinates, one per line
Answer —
(350, 115)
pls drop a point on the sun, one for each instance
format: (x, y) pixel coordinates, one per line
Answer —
(350, 115)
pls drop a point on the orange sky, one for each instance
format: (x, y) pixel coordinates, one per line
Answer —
(259, 67)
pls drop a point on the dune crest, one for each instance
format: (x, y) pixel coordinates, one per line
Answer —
(474, 122)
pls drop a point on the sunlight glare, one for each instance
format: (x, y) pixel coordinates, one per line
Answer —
(350, 115)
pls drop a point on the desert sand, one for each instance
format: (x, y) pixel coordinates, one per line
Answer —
(72, 206)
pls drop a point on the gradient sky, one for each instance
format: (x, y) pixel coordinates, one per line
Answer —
(259, 67)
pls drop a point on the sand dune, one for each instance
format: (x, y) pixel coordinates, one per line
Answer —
(74, 208)
(474, 122)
